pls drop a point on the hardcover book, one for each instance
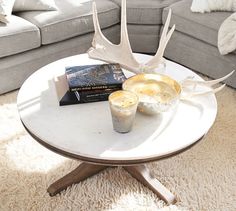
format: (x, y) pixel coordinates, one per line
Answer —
(78, 97)
(95, 77)
(66, 97)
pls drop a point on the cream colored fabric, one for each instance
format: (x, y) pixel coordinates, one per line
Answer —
(5, 10)
(213, 5)
(227, 35)
(28, 5)
(202, 178)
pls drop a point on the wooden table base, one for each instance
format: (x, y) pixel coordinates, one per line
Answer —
(139, 172)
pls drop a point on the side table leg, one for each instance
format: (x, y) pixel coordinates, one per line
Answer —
(82, 172)
(143, 175)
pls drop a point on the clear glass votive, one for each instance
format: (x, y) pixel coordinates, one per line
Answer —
(123, 106)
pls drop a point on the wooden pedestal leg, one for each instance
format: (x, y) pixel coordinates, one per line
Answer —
(142, 174)
(83, 171)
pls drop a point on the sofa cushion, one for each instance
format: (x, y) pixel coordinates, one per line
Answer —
(18, 36)
(72, 18)
(200, 56)
(145, 12)
(144, 38)
(26, 5)
(201, 26)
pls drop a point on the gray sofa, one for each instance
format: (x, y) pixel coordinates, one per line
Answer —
(33, 39)
(194, 43)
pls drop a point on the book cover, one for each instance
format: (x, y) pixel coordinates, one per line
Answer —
(92, 77)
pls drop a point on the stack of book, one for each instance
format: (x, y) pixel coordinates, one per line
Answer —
(92, 83)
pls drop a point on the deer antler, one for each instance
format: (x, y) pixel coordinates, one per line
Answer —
(165, 37)
(189, 85)
(104, 50)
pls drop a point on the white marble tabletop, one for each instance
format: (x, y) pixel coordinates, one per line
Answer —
(85, 130)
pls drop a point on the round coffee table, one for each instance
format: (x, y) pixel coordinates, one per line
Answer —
(85, 132)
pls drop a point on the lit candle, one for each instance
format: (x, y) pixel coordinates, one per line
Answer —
(123, 106)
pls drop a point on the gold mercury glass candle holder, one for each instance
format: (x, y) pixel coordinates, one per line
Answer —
(123, 106)
(157, 93)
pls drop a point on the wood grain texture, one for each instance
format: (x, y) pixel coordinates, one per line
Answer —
(82, 172)
(139, 172)
(143, 175)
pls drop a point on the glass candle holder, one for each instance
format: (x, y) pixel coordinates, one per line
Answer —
(123, 106)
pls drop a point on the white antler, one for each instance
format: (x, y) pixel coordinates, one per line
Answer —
(165, 37)
(189, 86)
(104, 50)
(187, 81)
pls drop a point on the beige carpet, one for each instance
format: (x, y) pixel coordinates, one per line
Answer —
(203, 178)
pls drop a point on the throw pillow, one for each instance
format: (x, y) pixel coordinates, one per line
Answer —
(5, 10)
(227, 35)
(30, 5)
(213, 5)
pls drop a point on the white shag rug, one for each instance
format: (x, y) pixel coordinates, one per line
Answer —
(202, 178)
